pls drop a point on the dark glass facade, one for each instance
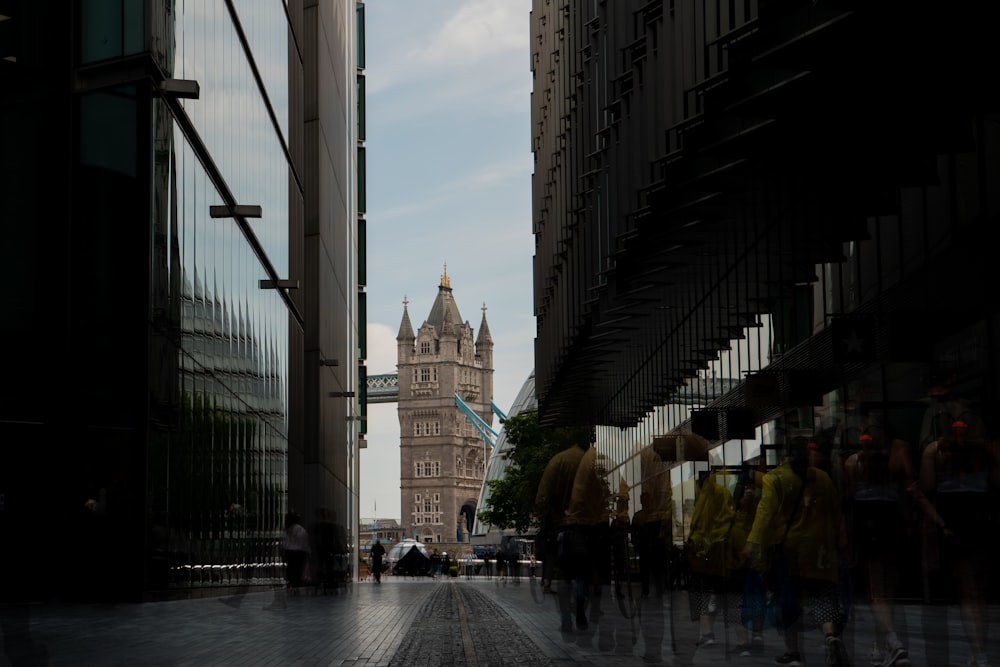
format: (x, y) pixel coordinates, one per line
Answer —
(767, 220)
(154, 421)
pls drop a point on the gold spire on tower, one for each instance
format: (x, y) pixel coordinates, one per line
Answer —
(445, 280)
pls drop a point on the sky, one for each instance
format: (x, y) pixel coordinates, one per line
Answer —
(449, 163)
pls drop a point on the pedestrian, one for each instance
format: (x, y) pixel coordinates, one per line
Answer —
(512, 556)
(706, 548)
(446, 564)
(468, 565)
(329, 548)
(798, 539)
(378, 552)
(561, 543)
(651, 530)
(751, 604)
(877, 480)
(960, 475)
(589, 517)
(296, 549)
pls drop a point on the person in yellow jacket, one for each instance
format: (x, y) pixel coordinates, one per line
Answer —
(707, 547)
(746, 583)
(800, 524)
(588, 521)
(652, 534)
(560, 543)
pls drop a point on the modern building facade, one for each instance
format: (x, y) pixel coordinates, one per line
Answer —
(443, 459)
(484, 534)
(791, 197)
(182, 205)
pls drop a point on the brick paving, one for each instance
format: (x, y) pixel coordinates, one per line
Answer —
(404, 622)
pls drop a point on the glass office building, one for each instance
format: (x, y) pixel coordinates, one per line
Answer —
(169, 397)
(767, 220)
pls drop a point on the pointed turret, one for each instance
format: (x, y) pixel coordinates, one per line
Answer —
(405, 337)
(484, 343)
(405, 328)
(444, 306)
(484, 337)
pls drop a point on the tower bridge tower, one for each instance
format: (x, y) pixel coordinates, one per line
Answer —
(442, 456)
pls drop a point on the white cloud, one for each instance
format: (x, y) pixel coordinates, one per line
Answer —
(476, 57)
(480, 30)
(382, 347)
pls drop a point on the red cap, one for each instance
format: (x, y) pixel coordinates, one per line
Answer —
(866, 440)
(812, 445)
(959, 425)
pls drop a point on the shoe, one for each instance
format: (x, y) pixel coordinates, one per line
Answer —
(747, 650)
(789, 660)
(706, 641)
(897, 657)
(836, 652)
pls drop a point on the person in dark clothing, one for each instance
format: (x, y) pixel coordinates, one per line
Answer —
(296, 549)
(329, 545)
(378, 552)
(446, 564)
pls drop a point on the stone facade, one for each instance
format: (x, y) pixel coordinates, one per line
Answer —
(442, 456)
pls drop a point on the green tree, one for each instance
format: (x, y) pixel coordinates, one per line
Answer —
(530, 447)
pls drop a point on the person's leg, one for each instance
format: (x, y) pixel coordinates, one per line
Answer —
(970, 601)
(788, 615)
(651, 617)
(824, 599)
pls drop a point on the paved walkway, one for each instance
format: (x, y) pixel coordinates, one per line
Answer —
(402, 622)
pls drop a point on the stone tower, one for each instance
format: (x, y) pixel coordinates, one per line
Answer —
(442, 456)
